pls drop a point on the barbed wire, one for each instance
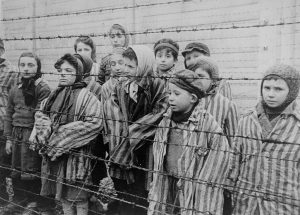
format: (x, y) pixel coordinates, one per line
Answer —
(96, 10)
(162, 77)
(159, 31)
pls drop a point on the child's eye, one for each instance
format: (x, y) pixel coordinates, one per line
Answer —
(278, 89)
(113, 63)
(59, 70)
(31, 65)
(119, 35)
(22, 65)
(267, 88)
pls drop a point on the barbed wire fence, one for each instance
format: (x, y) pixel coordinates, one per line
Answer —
(266, 196)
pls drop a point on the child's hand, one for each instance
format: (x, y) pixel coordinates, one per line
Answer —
(8, 147)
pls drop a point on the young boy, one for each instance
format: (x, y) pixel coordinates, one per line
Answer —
(166, 56)
(196, 50)
(265, 167)
(190, 154)
(137, 104)
(221, 108)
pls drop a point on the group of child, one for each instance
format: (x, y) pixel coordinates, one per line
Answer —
(172, 139)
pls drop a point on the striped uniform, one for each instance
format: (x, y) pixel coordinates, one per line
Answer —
(225, 89)
(267, 174)
(108, 114)
(224, 111)
(197, 162)
(93, 86)
(8, 77)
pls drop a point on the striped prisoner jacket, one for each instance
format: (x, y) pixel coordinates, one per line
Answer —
(205, 159)
(266, 172)
(224, 111)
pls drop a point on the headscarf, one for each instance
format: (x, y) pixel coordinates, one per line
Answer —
(87, 64)
(145, 66)
(67, 93)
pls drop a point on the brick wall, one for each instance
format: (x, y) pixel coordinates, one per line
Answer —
(240, 52)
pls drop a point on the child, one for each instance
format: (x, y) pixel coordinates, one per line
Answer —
(69, 121)
(23, 99)
(119, 38)
(8, 77)
(92, 85)
(139, 104)
(221, 108)
(166, 56)
(84, 45)
(117, 74)
(266, 157)
(188, 144)
(195, 50)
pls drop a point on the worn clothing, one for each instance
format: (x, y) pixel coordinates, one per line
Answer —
(225, 89)
(93, 86)
(139, 104)
(109, 114)
(265, 172)
(23, 158)
(8, 78)
(224, 111)
(205, 158)
(75, 136)
(17, 113)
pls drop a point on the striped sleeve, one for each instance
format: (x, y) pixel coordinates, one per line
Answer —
(80, 132)
(225, 89)
(231, 122)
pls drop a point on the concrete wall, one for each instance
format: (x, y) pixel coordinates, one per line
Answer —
(240, 52)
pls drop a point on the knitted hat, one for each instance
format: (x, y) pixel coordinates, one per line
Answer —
(2, 49)
(189, 81)
(166, 43)
(207, 64)
(290, 75)
(196, 47)
(87, 64)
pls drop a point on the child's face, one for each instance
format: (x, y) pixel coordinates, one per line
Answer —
(117, 65)
(28, 67)
(192, 57)
(274, 92)
(205, 79)
(117, 38)
(130, 66)
(67, 74)
(164, 59)
(180, 100)
(84, 49)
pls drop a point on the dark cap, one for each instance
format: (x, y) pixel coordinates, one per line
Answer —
(196, 46)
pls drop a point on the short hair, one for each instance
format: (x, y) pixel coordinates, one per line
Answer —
(87, 41)
(130, 54)
(117, 27)
(37, 60)
(171, 42)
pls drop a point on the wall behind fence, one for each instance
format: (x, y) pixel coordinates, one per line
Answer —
(228, 27)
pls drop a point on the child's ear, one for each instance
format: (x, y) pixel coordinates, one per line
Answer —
(194, 98)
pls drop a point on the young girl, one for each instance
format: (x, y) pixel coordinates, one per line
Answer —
(69, 121)
(190, 154)
(84, 45)
(221, 108)
(265, 167)
(23, 99)
(196, 50)
(119, 38)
